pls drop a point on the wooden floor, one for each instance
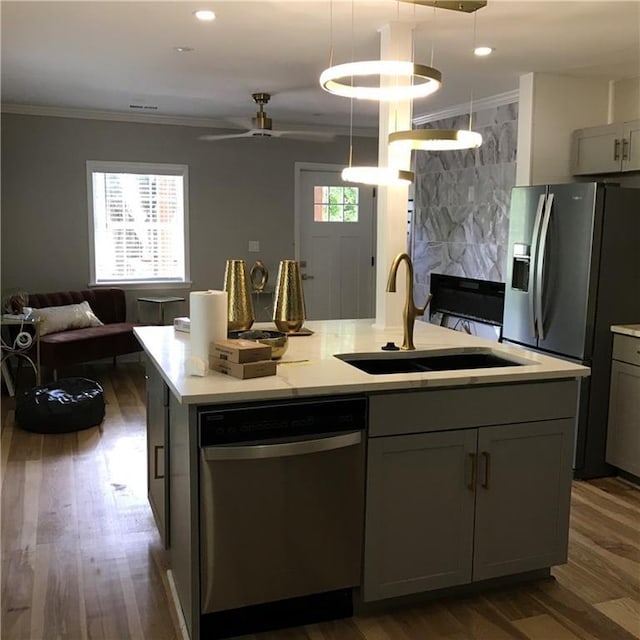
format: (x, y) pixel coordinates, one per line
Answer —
(81, 557)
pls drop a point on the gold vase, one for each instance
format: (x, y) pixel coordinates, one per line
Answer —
(239, 308)
(288, 307)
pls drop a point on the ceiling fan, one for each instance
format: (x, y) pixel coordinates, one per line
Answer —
(262, 127)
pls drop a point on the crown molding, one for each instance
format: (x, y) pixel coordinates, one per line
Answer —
(149, 118)
(463, 109)
(117, 116)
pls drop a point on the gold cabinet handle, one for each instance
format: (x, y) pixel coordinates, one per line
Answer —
(625, 149)
(157, 448)
(471, 485)
(487, 459)
(616, 149)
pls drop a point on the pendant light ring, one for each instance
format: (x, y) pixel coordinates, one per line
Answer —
(385, 176)
(437, 139)
(420, 80)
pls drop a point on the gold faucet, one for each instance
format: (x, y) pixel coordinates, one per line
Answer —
(410, 311)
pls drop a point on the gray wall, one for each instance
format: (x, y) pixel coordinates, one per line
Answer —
(461, 219)
(239, 190)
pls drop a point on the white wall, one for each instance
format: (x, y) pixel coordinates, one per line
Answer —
(240, 190)
(551, 107)
(627, 100)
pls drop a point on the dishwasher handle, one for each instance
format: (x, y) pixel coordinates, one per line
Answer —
(282, 449)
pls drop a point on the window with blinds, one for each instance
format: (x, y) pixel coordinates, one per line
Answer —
(138, 217)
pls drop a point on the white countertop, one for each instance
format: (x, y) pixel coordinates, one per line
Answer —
(627, 329)
(308, 367)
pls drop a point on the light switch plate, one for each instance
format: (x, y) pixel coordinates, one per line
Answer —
(254, 246)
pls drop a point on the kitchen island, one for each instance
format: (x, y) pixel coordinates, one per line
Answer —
(468, 472)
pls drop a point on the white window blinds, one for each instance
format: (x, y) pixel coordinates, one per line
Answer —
(139, 224)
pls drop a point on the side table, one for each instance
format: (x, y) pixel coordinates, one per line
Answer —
(15, 347)
(160, 301)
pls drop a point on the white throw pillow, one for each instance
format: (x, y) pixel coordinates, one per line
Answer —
(70, 316)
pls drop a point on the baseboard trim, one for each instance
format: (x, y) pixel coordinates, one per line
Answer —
(176, 603)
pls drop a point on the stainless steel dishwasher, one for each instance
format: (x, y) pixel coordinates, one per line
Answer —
(281, 502)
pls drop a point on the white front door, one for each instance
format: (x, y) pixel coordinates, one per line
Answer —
(336, 246)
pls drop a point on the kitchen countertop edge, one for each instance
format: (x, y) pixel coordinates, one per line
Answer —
(308, 368)
(627, 329)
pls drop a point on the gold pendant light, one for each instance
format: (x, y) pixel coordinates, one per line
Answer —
(440, 139)
(382, 176)
(410, 80)
(468, 6)
(372, 175)
(418, 80)
(436, 139)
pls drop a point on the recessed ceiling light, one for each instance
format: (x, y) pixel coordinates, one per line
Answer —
(483, 51)
(183, 49)
(205, 15)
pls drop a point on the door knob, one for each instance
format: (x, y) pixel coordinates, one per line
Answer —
(305, 276)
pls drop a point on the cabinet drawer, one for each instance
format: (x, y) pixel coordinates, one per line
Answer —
(626, 348)
(422, 411)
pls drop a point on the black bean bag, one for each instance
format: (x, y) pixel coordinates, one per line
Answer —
(68, 404)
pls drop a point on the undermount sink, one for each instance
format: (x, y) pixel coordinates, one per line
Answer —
(419, 362)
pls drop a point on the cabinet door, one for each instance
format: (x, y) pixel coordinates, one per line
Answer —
(157, 433)
(419, 513)
(597, 150)
(523, 497)
(623, 429)
(631, 149)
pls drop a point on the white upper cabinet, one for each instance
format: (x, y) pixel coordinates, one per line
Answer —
(612, 148)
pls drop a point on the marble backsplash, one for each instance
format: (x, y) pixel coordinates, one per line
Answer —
(460, 223)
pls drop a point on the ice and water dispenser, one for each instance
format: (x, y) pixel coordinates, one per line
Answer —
(521, 265)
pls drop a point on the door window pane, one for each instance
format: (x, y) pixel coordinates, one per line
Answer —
(335, 204)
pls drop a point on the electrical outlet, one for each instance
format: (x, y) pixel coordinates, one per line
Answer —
(254, 246)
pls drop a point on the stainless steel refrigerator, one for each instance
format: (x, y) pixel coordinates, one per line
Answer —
(574, 270)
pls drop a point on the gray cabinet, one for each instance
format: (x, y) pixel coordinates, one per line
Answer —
(523, 493)
(612, 148)
(623, 427)
(419, 516)
(157, 450)
(466, 503)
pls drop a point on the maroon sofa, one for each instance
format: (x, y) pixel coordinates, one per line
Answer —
(114, 338)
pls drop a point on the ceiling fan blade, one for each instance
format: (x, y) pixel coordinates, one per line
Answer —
(311, 136)
(227, 136)
(260, 127)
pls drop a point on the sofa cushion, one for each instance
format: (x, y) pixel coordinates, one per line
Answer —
(89, 333)
(108, 303)
(65, 348)
(74, 346)
(63, 317)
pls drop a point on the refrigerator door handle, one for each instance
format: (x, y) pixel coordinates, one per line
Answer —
(533, 268)
(540, 265)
